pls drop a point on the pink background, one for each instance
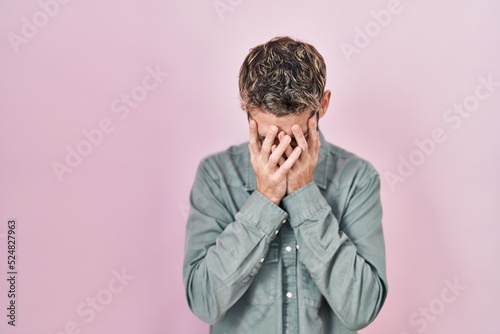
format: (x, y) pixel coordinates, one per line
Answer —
(123, 206)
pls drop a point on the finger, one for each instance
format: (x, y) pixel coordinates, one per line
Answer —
(253, 143)
(280, 149)
(288, 164)
(282, 159)
(281, 135)
(269, 140)
(288, 151)
(299, 137)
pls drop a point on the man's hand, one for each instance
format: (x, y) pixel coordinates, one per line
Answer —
(271, 176)
(302, 171)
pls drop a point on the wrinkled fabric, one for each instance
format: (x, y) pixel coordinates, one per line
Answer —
(313, 264)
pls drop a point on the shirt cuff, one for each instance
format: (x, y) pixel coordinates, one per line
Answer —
(304, 203)
(261, 212)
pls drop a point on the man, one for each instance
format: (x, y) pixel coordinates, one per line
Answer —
(284, 232)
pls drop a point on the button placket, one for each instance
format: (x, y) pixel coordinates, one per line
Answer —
(289, 280)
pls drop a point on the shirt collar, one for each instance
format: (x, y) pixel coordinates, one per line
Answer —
(320, 173)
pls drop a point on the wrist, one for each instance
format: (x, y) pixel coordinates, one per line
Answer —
(270, 196)
(299, 185)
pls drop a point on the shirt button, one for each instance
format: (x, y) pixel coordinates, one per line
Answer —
(288, 249)
(276, 232)
(289, 295)
(261, 259)
(283, 221)
(297, 246)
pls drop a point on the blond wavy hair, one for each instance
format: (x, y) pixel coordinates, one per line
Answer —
(282, 77)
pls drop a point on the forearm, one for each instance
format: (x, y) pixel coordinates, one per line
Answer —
(218, 274)
(354, 287)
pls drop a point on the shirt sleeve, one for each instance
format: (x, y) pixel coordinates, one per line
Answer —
(347, 264)
(223, 252)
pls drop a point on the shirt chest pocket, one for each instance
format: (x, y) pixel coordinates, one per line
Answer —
(272, 253)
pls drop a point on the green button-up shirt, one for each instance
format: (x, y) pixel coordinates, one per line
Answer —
(314, 264)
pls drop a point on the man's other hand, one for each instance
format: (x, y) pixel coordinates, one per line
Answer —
(302, 172)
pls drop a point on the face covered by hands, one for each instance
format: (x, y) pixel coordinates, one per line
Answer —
(283, 151)
(302, 171)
